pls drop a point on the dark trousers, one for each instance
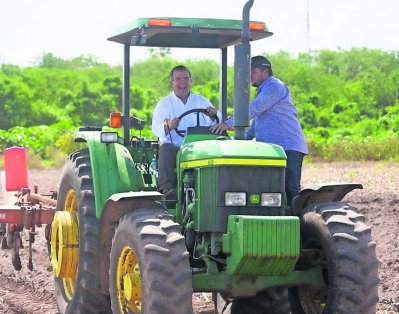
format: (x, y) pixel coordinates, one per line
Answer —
(166, 167)
(293, 174)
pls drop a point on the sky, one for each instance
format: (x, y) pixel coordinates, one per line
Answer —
(68, 29)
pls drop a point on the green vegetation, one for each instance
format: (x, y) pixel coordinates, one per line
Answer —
(348, 101)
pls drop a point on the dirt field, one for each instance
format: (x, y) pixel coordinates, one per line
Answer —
(32, 291)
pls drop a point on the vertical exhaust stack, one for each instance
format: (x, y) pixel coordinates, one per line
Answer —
(241, 77)
(126, 95)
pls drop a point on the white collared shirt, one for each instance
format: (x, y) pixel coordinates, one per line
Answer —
(172, 107)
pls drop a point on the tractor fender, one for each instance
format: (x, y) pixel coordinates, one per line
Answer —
(320, 193)
(116, 206)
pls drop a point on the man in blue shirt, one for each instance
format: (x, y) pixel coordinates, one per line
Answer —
(274, 120)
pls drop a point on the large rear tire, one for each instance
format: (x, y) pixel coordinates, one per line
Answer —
(78, 294)
(149, 266)
(350, 262)
(269, 301)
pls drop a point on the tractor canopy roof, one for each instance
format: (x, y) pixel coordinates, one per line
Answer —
(186, 32)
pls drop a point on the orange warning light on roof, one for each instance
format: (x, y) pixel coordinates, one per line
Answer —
(115, 120)
(257, 26)
(158, 22)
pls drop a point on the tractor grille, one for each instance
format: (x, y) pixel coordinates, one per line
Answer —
(253, 180)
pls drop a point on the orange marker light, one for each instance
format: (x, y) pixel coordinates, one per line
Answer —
(115, 120)
(157, 22)
(257, 26)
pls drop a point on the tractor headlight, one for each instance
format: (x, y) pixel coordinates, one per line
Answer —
(109, 137)
(235, 198)
(271, 199)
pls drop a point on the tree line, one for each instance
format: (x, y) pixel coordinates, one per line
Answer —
(346, 100)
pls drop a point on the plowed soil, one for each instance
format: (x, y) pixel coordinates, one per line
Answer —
(31, 292)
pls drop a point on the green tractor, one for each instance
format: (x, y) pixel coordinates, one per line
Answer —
(117, 247)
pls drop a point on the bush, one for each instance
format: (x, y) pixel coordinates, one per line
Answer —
(65, 143)
(354, 148)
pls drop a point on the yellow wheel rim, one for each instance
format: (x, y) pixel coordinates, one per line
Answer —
(128, 282)
(70, 202)
(65, 244)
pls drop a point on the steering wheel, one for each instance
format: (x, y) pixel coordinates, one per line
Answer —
(198, 110)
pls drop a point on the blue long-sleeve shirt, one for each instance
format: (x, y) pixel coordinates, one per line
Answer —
(275, 118)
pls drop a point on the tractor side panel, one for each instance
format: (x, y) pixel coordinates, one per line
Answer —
(114, 170)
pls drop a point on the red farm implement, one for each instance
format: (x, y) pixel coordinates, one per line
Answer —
(23, 208)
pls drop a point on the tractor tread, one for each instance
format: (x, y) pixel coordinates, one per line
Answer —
(157, 243)
(77, 175)
(351, 262)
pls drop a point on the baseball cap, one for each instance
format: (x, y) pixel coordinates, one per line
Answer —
(260, 62)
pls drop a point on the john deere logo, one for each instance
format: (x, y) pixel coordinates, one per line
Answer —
(254, 199)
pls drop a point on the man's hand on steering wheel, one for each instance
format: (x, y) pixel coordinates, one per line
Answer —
(210, 111)
(174, 123)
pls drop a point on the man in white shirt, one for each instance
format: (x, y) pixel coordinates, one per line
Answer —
(171, 107)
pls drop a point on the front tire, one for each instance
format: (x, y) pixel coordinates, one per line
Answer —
(350, 262)
(77, 293)
(149, 266)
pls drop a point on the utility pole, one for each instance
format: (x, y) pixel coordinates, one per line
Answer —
(308, 25)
